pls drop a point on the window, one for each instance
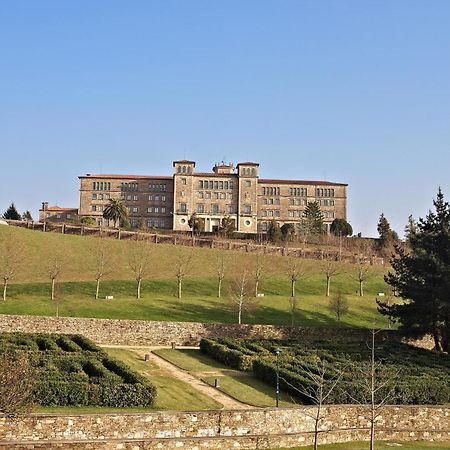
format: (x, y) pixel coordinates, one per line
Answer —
(248, 183)
(200, 208)
(220, 184)
(277, 213)
(107, 196)
(270, 213)
(200, 184)
(128, 197)
(231, 185)
(163, 210)
(247, 209)
(156, 198)
(225, 184)
(223, 196)
(207, 194)
(135, 210)
(58, 216)
(135, 197)
(183, 207)
(150, 209)
(150, 197)
(215, 208)
(94, 196)
(93, 207)
(230, 209)
(69, 216)
(264, 201)
(183, 181)
(156, 209)
(211, 185)
(200, 194)
(163, 198)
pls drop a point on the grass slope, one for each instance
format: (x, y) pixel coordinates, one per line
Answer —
(29, 293)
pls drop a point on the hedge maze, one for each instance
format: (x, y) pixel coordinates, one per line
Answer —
(408, 375)
(72, 371)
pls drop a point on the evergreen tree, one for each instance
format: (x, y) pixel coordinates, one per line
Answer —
(411, 228)
(11, 213)
(314, 218)
(116, 211)
(421, 277)
(387, 237)
(27, 216)
(288, 231)
(340, 227)
(227, 227)
(274, 232)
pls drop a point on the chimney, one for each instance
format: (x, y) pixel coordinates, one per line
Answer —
(44, 206)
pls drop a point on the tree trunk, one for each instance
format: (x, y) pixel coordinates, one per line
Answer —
(316, 427)
(138, 290)
(328, 286)
(53, 289)
(437, 340)
(292, 288)
(219, 288)
(240, 313)
(361, 288)
(5, 287)
(179, 288)
(97, 289)
(256, 287)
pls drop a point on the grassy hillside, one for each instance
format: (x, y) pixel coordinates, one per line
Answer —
(29, 292)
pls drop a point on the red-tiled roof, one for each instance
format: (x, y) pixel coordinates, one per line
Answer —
(59, 208)
(307, 182)
(128, 177)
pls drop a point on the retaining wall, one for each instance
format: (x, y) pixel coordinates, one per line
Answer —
(249, 429)
(142, 332)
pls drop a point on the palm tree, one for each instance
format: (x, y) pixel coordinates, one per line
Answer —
(116, 211)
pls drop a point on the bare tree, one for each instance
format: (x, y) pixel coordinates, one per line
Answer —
(321, 382)
(239, 295)
(338, 305)
(16, 382)
(54, 269)
(221, 265)
(376, 386)
(330, 269)
(295, 271)
(258, 271)
(182, 266)
(12, 253)
(363, 273)
(101, 259)
(138, 262)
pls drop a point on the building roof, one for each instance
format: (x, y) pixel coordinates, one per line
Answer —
(57, 208)
(183, 161)
(248, 163)
(214, 174)
(307, 182)
(128, 177)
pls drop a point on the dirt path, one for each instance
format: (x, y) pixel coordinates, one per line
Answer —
(174, 371)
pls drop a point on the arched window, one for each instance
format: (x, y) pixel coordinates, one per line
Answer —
(184, 169)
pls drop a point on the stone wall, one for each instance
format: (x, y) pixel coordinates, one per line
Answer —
(141, 332)
(249, 429)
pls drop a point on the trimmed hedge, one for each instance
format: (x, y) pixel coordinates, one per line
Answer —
(229, 357)
(73, 371)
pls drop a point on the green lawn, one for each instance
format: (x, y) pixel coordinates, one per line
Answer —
(239, 385)
(172, 393)
(381, 445)
(29, 291)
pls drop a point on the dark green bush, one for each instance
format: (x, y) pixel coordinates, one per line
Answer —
(67, 344)
(85, 343)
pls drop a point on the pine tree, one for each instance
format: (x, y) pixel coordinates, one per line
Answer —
(314, 218)
(11, 213)
(274, 232)
(27, 216)
(421, 277)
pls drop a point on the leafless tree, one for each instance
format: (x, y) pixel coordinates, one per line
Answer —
(320, 385)
(376, 387)
(182, 266)
(258, 271)
(12, 254)
(295, 270)
(239, 295)
(338, 305)
(54, 269)
(363, 273)
(330, 269)
(138, 261)
(16, 382)
(101, 261)
(221, 265)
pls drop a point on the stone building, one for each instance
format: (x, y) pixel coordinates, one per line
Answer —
(167, 202)
(57, 213)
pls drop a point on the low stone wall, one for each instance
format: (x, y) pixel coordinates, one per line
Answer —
(249, 429)
(141, 332)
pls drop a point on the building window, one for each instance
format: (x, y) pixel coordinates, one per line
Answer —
(248, 183)
(183, 207)
(94, 196)
(207, 194)
(163, 198)
(200, 208)
(150, 197)
(94, 208)
(215, 208)
(163, 210)
(156, 198)
(200, 194)
(135, 210)
(247, 209)
(150, 209)
(128, 197)
(135, 197)
(183, 181)
(156, 210)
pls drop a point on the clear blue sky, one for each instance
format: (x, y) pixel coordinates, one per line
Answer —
(349, 91)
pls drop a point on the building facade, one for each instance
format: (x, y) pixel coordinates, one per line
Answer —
(168, 202)
(57, 214)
